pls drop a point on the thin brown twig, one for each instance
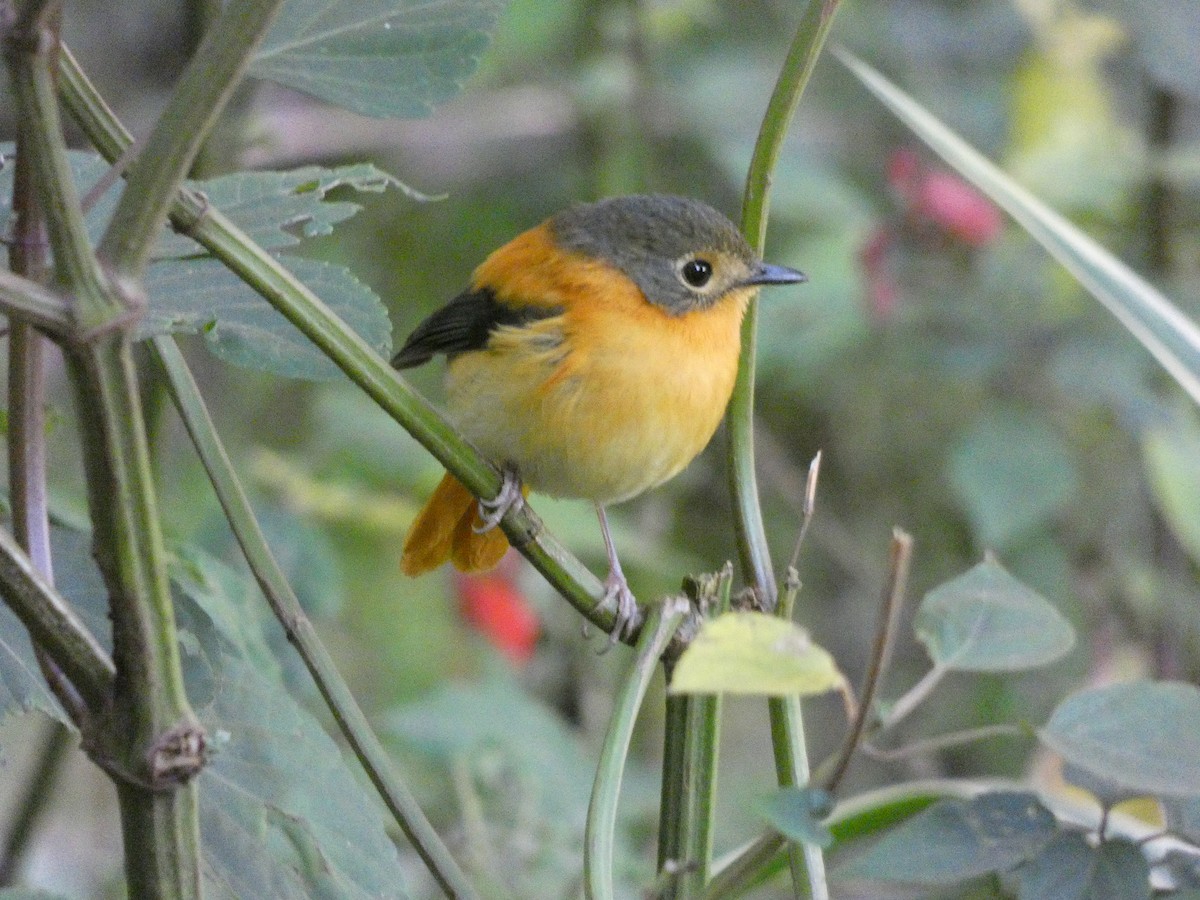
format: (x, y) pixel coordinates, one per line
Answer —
(889, 612)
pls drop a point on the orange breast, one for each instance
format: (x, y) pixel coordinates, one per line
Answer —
(610, 398)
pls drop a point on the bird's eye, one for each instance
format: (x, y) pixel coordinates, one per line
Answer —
(696, 272)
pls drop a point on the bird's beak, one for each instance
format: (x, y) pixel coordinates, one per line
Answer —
(765, 273)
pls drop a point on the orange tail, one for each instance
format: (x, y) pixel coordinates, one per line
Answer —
(444, 530)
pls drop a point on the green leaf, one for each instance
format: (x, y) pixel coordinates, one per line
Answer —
(1171, 454)
(1144, 736)
(1171, 337)
(987, 621)
(394, 58)
(1012, 473)
(281, 814)
(278, 209)
(797, 814)
(201, 296)
(754, 653)
(1069, 868)
(955, 840)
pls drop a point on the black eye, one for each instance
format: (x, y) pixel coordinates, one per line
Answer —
(696, 272)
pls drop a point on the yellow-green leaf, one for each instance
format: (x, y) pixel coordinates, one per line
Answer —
(754, 653)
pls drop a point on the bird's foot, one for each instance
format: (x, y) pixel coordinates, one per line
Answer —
(619, 598)
(510, 497)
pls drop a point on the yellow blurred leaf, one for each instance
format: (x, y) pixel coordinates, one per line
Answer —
(754, 653)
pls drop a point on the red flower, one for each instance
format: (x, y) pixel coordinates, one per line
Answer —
(941, 199)
(492, 604)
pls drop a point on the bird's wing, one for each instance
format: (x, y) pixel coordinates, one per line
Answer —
(465, 323)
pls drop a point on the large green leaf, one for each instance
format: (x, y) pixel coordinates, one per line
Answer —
(1070, 868)
(987, 621)
(1167, 333)
(955, 840)
(378, 57)
(1143, 736)
(201, 296)
(281, 813)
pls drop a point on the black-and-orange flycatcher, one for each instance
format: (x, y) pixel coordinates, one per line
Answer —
(591, 357)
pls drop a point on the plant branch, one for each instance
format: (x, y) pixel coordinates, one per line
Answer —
(299, 629)
(885, 630)
(748, 521)
(691, 740)
(151, 744)
(41, 307)
(207, 84)
(192, 215)
(807, 861)
(53, 625)
(661, 624)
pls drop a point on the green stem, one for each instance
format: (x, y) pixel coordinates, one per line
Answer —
(807, 862)
(689, 781)
(209, 81)
(151, 743)
(599, 832)
(748, 520)
(354, 356)
(35, 304)
(299, 629)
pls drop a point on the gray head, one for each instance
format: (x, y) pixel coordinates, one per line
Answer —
(682, 253)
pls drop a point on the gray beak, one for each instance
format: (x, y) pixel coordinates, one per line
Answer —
(765, 273)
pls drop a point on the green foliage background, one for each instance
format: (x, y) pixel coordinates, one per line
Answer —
(993, 407)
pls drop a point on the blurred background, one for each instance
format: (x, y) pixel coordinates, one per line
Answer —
(957, 382)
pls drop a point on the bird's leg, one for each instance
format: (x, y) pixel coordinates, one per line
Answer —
(510, 497)
(616, 589)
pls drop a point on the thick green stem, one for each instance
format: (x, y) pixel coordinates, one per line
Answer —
(214, 73)
(359, 361)
(787, 725)
(747, 513)
(689, 781)
(600, 829)
(299, 628)
(149, 740)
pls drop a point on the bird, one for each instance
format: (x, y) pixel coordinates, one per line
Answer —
(591, 357)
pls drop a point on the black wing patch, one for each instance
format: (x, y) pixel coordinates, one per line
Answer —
(465, 323)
